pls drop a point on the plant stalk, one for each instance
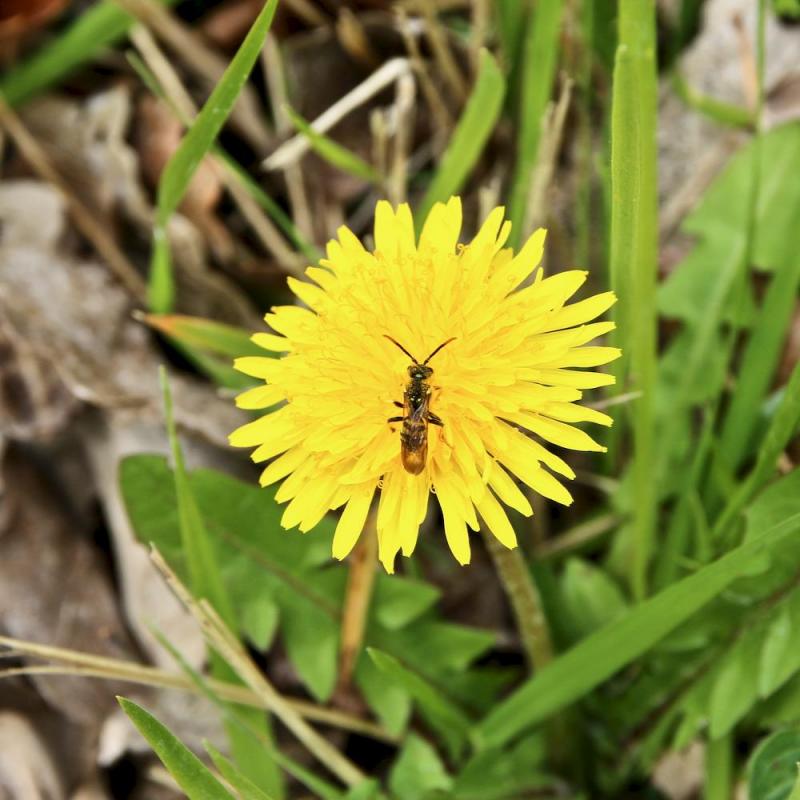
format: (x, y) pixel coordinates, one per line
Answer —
(526, 603)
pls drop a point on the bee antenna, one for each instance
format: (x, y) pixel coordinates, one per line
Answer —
(394, 341)
(451, 339)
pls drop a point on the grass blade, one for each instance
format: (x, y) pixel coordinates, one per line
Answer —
(472, 131)
(194, 777)
(244, 787)
(783, 426)
(634, 250)
(538, 71)
(195, 146)
(204, 575)
(332, 152)
(205, 334)
(600, 655)
(93, 31)
(759, 362)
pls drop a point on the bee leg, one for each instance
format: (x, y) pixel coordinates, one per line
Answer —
(398, 404)
(434, 420)
(395, 419)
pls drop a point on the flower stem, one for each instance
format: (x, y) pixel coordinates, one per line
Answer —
(525, 600)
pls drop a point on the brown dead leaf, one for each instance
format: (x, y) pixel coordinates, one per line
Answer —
(19, 17)
(54, 587)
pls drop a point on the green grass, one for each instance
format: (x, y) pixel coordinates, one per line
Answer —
(194, 147)
(540, 54)
(634, 256)
(97, 28)
(469, 138)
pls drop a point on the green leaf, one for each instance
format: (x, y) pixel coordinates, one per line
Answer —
(540, 56)
(505, 774)
(265, 568)
(186, 768)
(332, 152)
(312, 642)
(469, 137)
(418, 771)
(773, 773)
(194, 146)
(599, 656)
(780, 659)
(366, 790)
(590, 597)
(399, 601)
(390, 701)
(95, 29)
(244, 787)
(447, 719)
(736, 687)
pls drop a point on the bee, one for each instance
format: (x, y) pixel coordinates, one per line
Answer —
(416, 411)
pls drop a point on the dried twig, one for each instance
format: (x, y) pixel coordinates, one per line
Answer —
(442, 120)
(553, 129)
(220, 639)
(404, 111)
(275, 77)
(441, 50)
(298, 146)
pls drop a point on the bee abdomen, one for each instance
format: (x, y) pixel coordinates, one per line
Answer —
(414, 435)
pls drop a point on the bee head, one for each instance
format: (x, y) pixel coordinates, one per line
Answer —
(419, 372)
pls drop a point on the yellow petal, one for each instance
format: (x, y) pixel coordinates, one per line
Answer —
(260, 397)
(275, 344)
(351, 523)
(496, 520)
(311, 295)
(283, 465)
(524, 263)
(570, 412)
(257, 366)
(442, 228)
(581, 312)
(507, 490)
(558, 433)
(455, 527)
(588, 357)
(572, 378)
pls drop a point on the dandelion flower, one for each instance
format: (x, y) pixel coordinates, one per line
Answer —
(505, 388)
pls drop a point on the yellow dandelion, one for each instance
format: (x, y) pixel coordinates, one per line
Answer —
(502, 386)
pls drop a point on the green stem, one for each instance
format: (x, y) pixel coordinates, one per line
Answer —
(526, 603)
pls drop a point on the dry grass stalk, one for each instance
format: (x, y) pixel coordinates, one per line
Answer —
(292, 151)
(275, 78)
(220, 639)
(209, 65)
